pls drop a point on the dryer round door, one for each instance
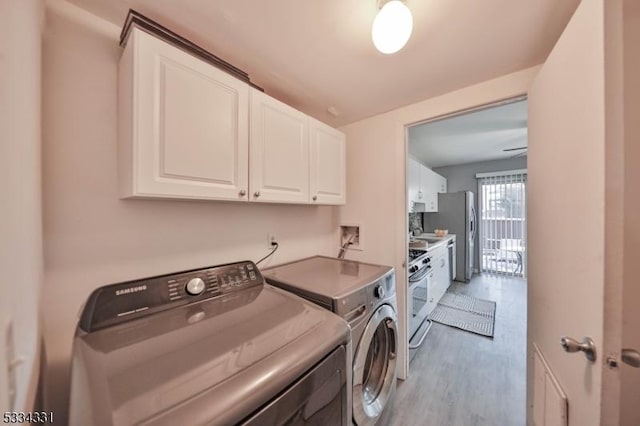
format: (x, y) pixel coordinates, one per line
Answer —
(374, 366)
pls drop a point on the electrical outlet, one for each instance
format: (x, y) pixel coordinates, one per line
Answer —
(271, 238)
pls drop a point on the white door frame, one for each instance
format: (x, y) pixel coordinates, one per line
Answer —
(630, 377)
(517, 96)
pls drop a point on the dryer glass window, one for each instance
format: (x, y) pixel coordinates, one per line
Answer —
(374, 367)
(377, 362)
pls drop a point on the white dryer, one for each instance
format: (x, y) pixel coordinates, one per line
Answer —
(365, 296)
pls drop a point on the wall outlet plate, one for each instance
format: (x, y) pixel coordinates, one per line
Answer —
(271, 238)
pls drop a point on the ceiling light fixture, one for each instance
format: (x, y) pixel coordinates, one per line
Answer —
(392, 26)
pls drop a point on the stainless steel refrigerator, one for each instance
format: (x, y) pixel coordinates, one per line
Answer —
(457, 213)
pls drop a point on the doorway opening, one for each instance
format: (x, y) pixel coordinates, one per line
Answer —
(466, 172)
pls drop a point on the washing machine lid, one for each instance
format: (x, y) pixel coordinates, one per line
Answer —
(215, 361)
(325, 278)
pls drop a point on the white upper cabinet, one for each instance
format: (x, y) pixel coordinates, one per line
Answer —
(183, 125)
(423, 186)
(428, 189)
(413, 182)
(189, 130)
(327, 179)
(442, 183)
(279, 153)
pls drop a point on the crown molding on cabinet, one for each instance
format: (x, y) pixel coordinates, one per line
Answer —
(135, 19)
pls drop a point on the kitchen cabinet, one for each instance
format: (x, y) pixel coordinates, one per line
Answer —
(439, 278)
(189, 130)
(428, 187)
(441, 183)
(413, 183)
(279, 154)
(183, 125)
(441, 268)
(328, 164)
(431, 302)
(293, 157)
(423, 186)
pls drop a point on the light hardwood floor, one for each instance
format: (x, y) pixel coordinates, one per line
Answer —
(459, 378)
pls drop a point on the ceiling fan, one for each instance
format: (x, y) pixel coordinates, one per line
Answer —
(520, 154)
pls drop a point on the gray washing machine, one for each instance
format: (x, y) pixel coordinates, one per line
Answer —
(208, 346)
(365, 296)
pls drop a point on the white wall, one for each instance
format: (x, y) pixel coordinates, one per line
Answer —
(20, 218)
(376, 175)
(93, 238)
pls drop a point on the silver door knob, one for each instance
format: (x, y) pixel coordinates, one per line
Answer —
(315, 197)
(256, 194)
(631, 357)
(242, 193)
(587, 346)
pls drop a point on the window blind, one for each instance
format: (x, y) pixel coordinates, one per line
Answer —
(503, 227)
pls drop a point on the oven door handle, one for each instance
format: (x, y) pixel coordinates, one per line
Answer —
(424, 335)
(419, 275)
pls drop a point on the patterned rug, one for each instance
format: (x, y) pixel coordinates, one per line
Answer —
(466, 313)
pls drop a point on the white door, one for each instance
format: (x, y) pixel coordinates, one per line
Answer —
(328, 157)
(278, 151)
(572, 289)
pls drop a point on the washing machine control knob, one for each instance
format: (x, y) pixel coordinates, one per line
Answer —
(195, 286)
(379, 291)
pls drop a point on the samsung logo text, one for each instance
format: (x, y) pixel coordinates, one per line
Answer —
(131, 290)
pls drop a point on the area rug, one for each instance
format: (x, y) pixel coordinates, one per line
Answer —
(466, 313)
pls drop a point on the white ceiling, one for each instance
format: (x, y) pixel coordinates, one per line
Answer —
(316, 54)
(468, 138)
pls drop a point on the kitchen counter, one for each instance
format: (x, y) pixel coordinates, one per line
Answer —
(441, 240)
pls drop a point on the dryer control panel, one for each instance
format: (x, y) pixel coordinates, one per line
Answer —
(118, 303)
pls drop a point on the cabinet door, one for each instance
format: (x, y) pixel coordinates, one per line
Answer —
(279, 152)
(442, 184)
(328, 173)
(443, 269)
(428, 186)
(432, 289)
(440, 265)
(413, 182)
(425, 178)
(183, 125)
(431, 202)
